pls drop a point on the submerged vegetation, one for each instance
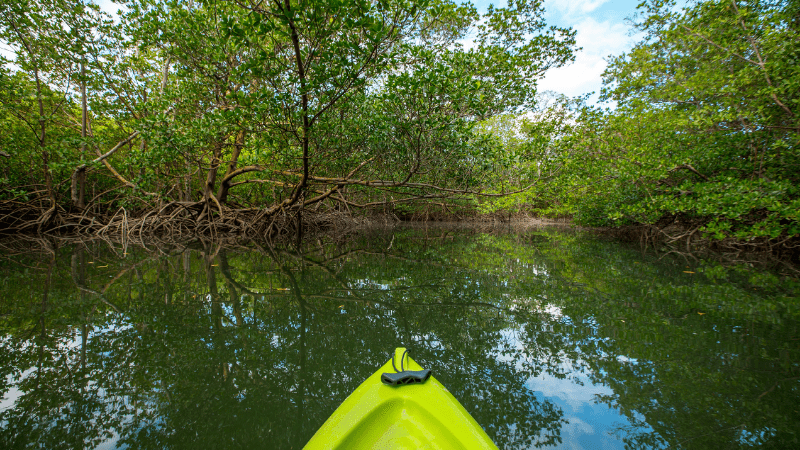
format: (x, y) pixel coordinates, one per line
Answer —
(197, 116)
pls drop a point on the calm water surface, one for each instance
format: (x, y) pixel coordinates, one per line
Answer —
(549, 338)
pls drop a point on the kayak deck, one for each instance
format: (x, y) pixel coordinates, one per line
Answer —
(414, 416)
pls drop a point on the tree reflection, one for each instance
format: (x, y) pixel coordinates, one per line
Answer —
(216, 346)
(231, 348)
(693, 360)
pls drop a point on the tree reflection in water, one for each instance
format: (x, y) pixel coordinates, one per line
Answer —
(254, 346)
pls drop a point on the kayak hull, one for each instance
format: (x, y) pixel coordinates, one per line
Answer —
(415, 416)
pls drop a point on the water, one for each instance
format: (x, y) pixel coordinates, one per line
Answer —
(549, 338)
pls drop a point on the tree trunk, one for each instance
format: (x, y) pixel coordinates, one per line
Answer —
(211, 177)
(79, 177)
(41, 133)
(48, 180)
(301, 72)
(222, 194)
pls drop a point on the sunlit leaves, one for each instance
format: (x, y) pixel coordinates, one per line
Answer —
(705, 131)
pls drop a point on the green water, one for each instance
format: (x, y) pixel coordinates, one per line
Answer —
(549, 338)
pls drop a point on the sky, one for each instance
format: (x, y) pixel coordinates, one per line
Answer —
(601, 31)
(591, 424)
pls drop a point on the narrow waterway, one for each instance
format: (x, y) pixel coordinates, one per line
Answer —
(549, 338)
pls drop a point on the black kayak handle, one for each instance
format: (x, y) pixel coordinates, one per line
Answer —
(406, 377)
(402, 377)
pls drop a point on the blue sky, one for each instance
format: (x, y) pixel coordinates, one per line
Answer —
(601, 31)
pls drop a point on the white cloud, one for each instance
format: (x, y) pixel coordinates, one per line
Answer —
(571, 7)
(572, 432)
(575, 397)
(599, 40)
(602, 37)
(112, 8)
(7, 52)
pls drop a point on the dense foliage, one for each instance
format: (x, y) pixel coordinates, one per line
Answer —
(705, 132)
(266, 105)
(402, 105)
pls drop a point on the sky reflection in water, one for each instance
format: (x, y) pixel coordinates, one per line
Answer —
(548, 337)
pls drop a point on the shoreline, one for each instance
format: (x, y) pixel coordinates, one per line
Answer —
(144, 230)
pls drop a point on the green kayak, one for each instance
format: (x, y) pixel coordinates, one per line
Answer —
(401, 406)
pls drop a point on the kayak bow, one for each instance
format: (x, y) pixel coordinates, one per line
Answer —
(400, 409)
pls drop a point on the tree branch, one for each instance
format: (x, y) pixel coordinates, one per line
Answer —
(690, 168)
